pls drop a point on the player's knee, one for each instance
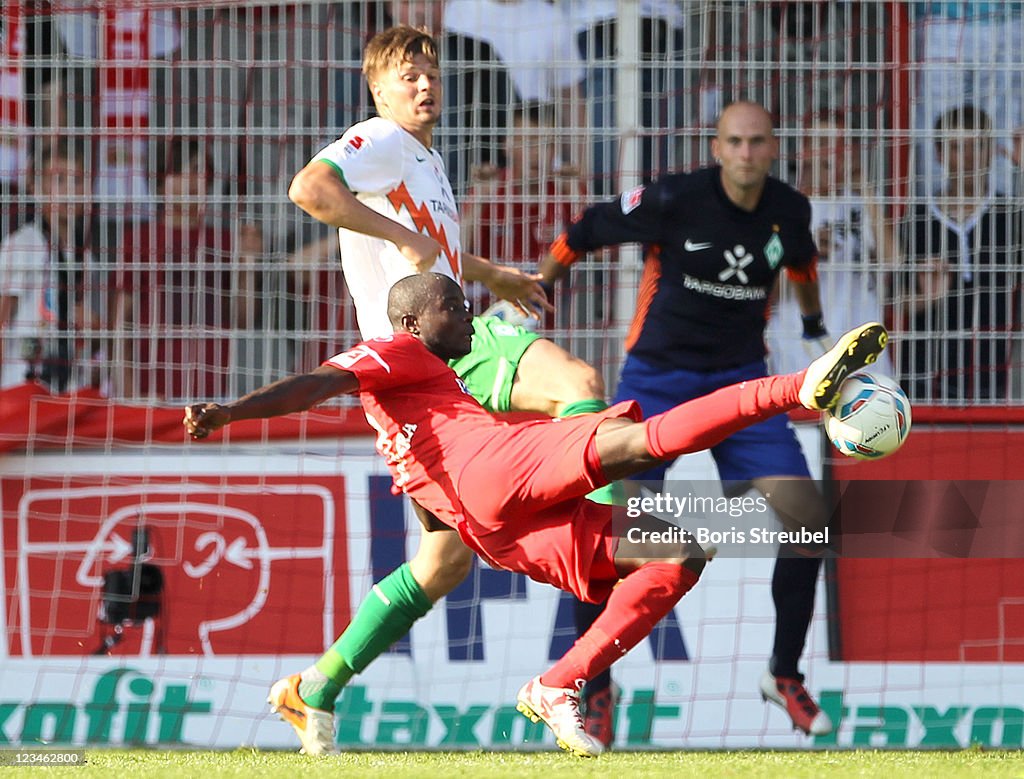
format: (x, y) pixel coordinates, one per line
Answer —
(691, 558)
(439, 566)
(679, 574)
(457, 565)
(813, 519)
(695, 565)
(817, 523)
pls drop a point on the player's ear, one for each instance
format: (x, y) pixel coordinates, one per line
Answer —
(411, 323)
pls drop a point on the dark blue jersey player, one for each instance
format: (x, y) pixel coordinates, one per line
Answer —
(715, 241)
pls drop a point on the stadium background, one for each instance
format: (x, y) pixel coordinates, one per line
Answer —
(264, 540)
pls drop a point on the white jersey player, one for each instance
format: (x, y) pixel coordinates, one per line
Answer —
(390, 171)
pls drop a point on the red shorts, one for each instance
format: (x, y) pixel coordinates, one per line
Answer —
(522, 496)
(570, 546)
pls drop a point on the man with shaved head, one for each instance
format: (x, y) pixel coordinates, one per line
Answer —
(516, 493)
(715, 241)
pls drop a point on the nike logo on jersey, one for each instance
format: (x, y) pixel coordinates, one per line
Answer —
(420, 159)
(690, 246)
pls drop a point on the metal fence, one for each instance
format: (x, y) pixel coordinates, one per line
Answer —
(161, 259)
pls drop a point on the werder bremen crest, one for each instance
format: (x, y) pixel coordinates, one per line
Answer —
(773, 251)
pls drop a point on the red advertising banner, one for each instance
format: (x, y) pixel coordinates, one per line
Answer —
(118, 564)
(937, 610)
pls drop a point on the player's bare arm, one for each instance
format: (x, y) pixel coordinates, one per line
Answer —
(522, 290)
(319, 191)
(287, 396)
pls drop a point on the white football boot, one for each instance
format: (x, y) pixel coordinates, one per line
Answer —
(560, 711)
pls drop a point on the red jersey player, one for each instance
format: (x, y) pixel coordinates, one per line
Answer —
(515, 493)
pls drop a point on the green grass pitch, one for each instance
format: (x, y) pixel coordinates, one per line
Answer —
(147, 764)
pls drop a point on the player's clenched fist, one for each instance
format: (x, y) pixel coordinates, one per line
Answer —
(201, 419)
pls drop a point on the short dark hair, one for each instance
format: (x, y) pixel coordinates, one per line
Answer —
(410, 295)
(963, 117)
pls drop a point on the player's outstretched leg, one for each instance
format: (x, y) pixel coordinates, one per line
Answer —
(623, 448)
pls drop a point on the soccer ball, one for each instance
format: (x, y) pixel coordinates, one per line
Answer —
(871, 417)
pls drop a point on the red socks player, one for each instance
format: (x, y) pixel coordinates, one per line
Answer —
(515, 493)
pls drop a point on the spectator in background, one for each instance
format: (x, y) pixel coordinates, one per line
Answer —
(515, 211)
(518, 209)
(971, 52)
(852, 238)
(266, 103)
(51, 282)
(15, 80)
(182, 279)
(661, 46)
(960, 292)
(110, 49)
(533, 41)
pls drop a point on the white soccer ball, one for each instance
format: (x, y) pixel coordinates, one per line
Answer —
(871, 418)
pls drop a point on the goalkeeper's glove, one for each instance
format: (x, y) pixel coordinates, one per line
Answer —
(815, 338)
(508, 313)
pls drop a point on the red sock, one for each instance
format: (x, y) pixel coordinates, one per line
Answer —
(634, 608)
(703, 422)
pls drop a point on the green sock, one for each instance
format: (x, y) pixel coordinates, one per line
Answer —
(611, 494)
(319, 691)
(386, 615)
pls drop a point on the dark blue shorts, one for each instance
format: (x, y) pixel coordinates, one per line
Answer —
(769, 448)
